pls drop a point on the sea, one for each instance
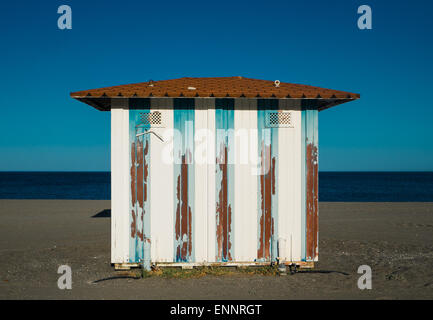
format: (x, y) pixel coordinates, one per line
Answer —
(333, 186)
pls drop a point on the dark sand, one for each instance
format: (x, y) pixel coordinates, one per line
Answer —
(395, 239)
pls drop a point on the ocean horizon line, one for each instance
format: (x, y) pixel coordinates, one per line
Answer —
(341, 186)
(324, 171)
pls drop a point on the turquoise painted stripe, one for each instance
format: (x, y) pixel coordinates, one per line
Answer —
(225, 141)
(274, 196)
(177, 158)
(183, 156)
(133, 206)
(231, 177)
(309, 133)
(191, 177)
(139, 250)
(267, 231)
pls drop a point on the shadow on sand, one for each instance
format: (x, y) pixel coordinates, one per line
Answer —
(106, 213)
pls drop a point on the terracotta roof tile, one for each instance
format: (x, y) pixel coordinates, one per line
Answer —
(217, 87)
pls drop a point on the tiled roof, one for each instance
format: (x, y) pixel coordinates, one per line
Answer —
(222, 87)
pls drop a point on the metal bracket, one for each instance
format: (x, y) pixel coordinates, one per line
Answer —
(147, 132)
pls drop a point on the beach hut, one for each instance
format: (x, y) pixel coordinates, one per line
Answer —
(214, 171)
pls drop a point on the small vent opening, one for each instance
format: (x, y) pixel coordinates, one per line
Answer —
(279, 119)
(151, 118)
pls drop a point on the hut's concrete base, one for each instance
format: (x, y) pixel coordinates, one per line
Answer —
(126, 266)
(191, 265)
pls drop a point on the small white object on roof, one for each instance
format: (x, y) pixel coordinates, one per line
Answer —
(192, 88)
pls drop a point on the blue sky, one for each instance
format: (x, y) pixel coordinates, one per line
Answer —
(309, 42)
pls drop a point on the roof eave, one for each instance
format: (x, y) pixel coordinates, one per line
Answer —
(104, 103)
(335, 102)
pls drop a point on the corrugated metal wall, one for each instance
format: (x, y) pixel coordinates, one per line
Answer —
(244, 206)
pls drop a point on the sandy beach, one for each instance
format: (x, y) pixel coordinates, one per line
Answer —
(394, 239)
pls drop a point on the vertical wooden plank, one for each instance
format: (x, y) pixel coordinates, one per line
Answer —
(211, 184)
(246, 159)
(184, 180)
(261, 221)
(162, 184)
(274, 184)
(231, 180)
(267, 182)
(290, 185)
(119, 181)
(189, 155)
(138, 172)
(140, 237)
(224, 124)
(241, 178)
(312, 180)
(251, 184)
(285, 190)
(296, 178)
(144, 235)
(201, 154)
(316, 185)
(311, 149)
(303, 187)
(220, 195)
(177, 183)
(116, 184)
(125, 194)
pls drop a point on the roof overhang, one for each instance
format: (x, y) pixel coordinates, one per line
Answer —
(105, 103)
(216, 88)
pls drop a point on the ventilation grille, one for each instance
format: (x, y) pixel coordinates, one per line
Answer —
(282, 119)
(153, 119)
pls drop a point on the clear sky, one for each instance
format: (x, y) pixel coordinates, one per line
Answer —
(309, 42)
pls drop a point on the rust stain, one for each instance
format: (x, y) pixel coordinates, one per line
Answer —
(273, 175)
(133, 173)
(177, 224)
(145, 170)
(139, 171)
(133, 198)
(224, 210)
(139, 176)
(144, 237)
(140, 185)
(267, 188)
(312, 201)
(183, 224)
(133, 224)
(229, 242)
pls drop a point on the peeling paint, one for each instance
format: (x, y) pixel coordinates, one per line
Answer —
(312, 201)
(183, 212)
(264, 233)
(267, 188)
(310, 185)
(224, 179)
(140, 204)
(223, 210)
(133, 192)
(184, 184)
(267, 249)
(140, 193)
